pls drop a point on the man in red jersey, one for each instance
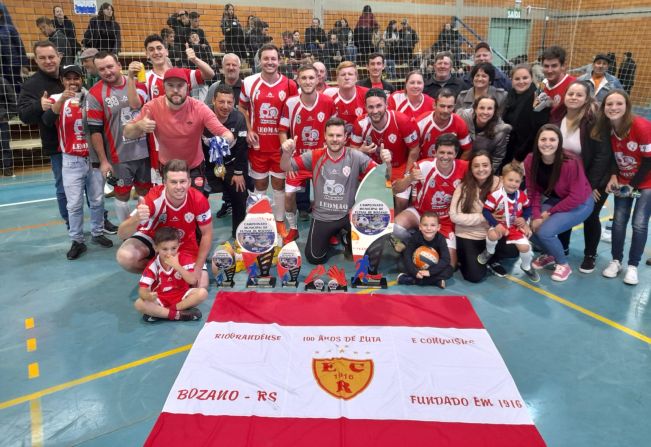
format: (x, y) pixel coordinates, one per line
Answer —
(173, 204)
(303, 118)
(347, 95)
(262, 99)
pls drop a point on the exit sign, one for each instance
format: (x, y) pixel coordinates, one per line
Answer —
(513, 13)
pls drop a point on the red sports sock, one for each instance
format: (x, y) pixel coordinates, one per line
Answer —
(172, 314)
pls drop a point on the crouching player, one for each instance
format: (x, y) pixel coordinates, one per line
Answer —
(165, 291)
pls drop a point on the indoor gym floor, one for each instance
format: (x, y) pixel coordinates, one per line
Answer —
(80, 367)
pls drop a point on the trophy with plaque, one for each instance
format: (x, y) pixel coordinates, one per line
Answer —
(289, 265)
(257, 238)
(337, 279)
(371, 221)
(314, 280)
(223, 265)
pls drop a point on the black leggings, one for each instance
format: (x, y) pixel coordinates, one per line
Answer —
(467, 251)
(318, 238)
(591, 229)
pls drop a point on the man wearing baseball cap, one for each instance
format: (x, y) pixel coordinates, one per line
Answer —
(601, 82)
(177, 121)
(87, 59)
(484, 53)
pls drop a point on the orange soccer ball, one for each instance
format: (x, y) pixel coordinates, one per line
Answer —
(425, 257)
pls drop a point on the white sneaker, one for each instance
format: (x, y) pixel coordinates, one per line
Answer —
(606, 235)
(631, 275)
(613, 269)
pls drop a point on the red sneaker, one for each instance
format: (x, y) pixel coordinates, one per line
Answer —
(291, 235)
(281, 229)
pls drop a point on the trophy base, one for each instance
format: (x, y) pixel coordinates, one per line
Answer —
(293, 284)
(357, 283)
(319, 287)
(225, 284)
(338, 289)
(261, 282)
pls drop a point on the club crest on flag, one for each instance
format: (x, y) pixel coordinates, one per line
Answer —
(341, 377)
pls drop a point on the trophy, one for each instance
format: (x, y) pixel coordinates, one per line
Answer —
(219, 149)
(257, 238)
(289, 265)
(337, 280)
(313, 281)
(223, 265)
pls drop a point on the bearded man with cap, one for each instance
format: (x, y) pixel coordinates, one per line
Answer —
(178, 121)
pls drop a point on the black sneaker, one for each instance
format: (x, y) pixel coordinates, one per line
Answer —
(588, 264)
(532, 274)
(497, 269)
(648, 261)
(109, 228)
(225, 210)
(191, 314)
(102, 240)
(440, 284)
(76, 250)
(149, 319)
(406, 280)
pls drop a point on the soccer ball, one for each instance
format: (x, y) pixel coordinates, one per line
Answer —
(425, 257)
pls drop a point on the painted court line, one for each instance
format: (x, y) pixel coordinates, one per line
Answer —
(36, 417)
(27, 202)
(31, 227)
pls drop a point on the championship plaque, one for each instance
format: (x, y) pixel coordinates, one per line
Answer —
(257, 238)
(289, 265)
(223, 266)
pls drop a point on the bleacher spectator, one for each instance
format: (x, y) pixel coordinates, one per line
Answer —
(333, 52)
(234, 38)
(180, 23)
(391, 40)
(482, 76)
(321, 76)
(103, 32)
(202, 50)
(315, 38)
(291, 52)
(87, 59)
(599, 79)
(62, 22)
(58, 38)
(13, 59)
(484, 53)
(364, 30)
(408, 40)
(175, 51)
(442, 77)
(448, 40)
(375, 68)
(626, 72)
(389, 62)
(258, 37)
(195, 28)
(345, 37)
(33, 102)
(8, 107)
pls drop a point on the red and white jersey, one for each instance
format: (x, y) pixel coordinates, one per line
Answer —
(264, 103)
(435, 192)
(399, 135)
(168, 284)
(429, 132)
(504, 209)
(308, 123)
(630, 151)
(349, 110)
(70, 128)
(155, 87)
(400, 102)
(557, 92)
(194, 211)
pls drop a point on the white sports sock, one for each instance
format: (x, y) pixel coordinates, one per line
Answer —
(122, 210)
(278, 205)
(292, 219)
(526, 259)
(490, 246)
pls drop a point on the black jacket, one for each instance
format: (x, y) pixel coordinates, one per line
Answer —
(30, 111)
(7, 100)
(104, 35)
(433, 87)
(68, 28)
(386, 86)
(438, 243)
(65, 46)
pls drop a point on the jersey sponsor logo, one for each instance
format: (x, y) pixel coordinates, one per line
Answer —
(631, 146)
(309, 135)
(625, 163)
(268, 112)
(203, 217)
(320, 116)
(330, 188)
(78, 127)
(189, 217)
(392, 138)
(440, 201)
(412, 137)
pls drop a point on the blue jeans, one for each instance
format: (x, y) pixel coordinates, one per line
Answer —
(78, 175)
(56, 161)
(557, 223)
(640, 224)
